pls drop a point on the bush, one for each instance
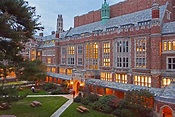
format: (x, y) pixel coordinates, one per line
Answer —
(127, 113)
(57, 91)
(105, 104)
(102, 107)
(84, 101)
(49, 86)
(117, 112)
(77, 99)
(92, 97)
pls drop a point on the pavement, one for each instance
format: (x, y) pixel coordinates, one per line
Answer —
(58, 112)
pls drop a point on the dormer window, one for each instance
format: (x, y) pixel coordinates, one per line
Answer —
(168, 15)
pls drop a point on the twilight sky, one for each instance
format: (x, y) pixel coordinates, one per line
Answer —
(49, 10)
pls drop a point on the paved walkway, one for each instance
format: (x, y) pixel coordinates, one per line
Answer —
(62, 108)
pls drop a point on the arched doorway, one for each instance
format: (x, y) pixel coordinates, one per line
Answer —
(166, 112)
(78, 87)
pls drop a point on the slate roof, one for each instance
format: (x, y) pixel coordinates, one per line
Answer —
(168, 28)
(121, 86)
(167, 94)
(133, 18)
(161, 94)
(62, 76)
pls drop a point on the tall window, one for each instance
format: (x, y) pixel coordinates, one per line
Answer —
(71, 61)
(106, 54)
(80, 55)
(53, 69)
(63, 60)
(80, 61)
(69, 71)
(140, 53)
(80, 49)
(91, 55)
(106, 76)
(63, 51)
(142, 81)
(122, 53)
(121, 78)
(71, 50)
(171, 63)
(48, 60)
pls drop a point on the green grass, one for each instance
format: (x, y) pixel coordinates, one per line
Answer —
(72, 112)
(15, 83)
(22, 107)
(27, 91)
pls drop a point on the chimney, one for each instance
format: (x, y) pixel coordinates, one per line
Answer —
(57, 34)
(41, 34)
(53, 32)
(155, 10)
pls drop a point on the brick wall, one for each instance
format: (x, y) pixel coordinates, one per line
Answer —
(118, 9)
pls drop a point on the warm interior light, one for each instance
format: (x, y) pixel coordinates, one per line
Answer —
(71, 82)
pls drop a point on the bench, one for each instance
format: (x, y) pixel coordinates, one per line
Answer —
(79, 110)
(82, 109)
(35, 104)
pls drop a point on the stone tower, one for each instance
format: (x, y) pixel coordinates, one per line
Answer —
(59, 24)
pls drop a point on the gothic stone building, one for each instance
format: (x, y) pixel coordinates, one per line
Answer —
(129, 45)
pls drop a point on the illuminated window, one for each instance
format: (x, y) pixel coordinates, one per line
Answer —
(48, 60)
(106, 54)
(69, 71)
(171, 63)
(71, 50)
(53, 70)
(121, 78)
(140, 58)
(91, 60)
(48, 69)
(39, 53)
(62, 70)
(106, 76)
(168, 45)
(142, 81)
(166, 82)
(165, 46)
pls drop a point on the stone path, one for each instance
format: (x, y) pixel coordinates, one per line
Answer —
(62, 108)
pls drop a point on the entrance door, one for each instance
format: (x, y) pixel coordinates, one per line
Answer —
(166, 112)
(78, 87)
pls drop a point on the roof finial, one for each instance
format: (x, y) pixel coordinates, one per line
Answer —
(105, 0)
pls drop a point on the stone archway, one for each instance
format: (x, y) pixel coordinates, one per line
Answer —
(166, 111)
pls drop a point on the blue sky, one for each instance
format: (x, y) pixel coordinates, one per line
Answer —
(49, 10)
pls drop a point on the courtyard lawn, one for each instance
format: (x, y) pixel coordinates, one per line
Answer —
(27, 91)
(72, 112)
(22, 107)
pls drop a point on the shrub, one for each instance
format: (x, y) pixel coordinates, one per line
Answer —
(77, 99)
(102, 107)
(57, 91)
(84, 101)
(117, 112)
(127, 113)
(48, 86)
(92, 97)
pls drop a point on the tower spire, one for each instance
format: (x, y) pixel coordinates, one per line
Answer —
(105, 12)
